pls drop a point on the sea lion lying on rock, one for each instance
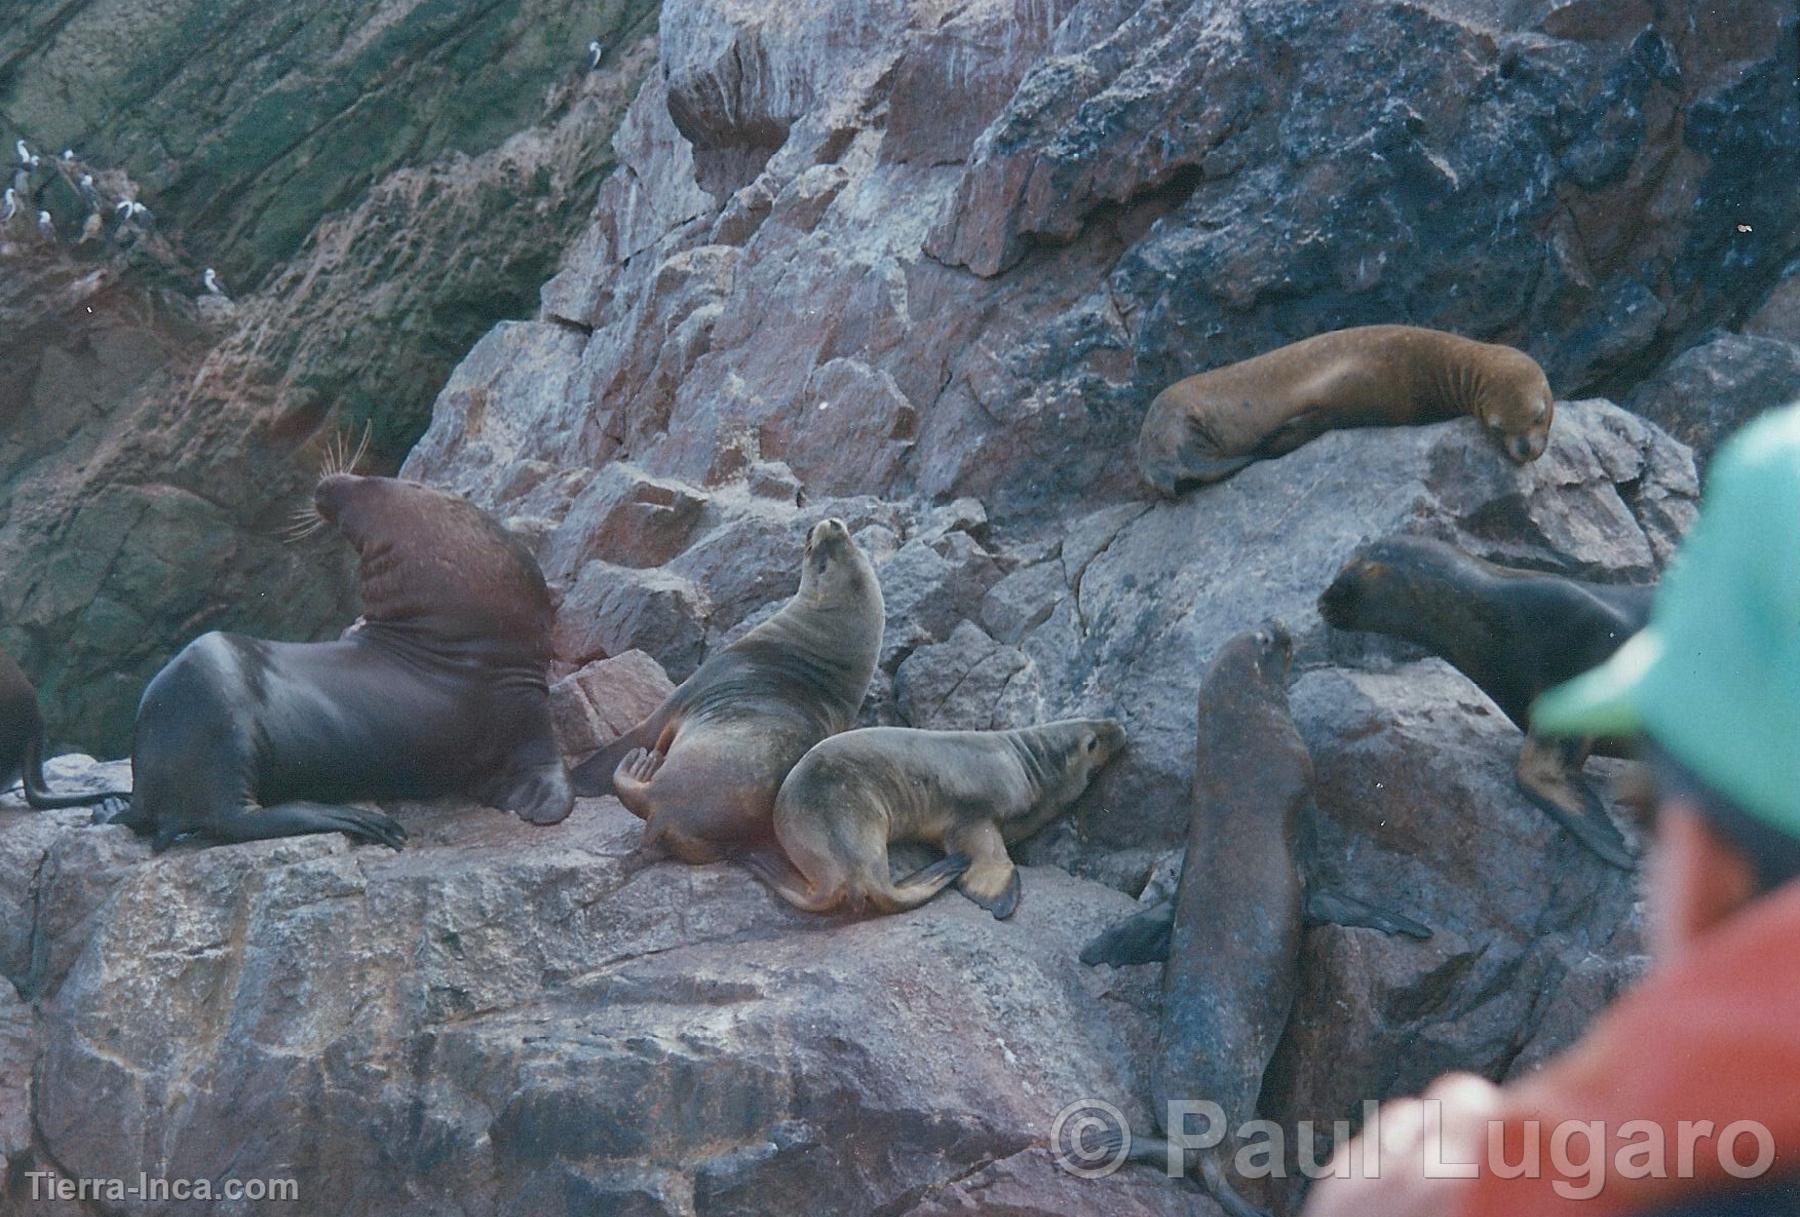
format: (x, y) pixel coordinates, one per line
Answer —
(972, 793)
(1515, 633)
(439, 689)
(1207, 427)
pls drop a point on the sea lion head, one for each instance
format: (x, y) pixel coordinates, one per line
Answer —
(1165, 438)
(1387, 585)
(1514, 402)
(435, 565)
(1077, 749)
(1262, 655)
(835, 571)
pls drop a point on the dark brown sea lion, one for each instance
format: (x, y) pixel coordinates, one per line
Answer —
(439, 689)
(972, 793)
(1232, 935)
(1515, 633)
(1207, 427)
(702, 771)
(22, 745)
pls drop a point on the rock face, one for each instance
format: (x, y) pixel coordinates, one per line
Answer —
(921, 267)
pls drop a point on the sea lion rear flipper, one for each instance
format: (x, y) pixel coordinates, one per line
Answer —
(37, 790)
(1141, 938)
(1327, 907)
(1549, 774)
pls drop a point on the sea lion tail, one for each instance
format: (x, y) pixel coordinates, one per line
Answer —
(1212, 1173)
(1142, 937)
(37, 790)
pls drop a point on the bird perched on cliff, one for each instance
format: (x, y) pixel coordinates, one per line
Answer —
(210, 280)
(9, 205)
(27, 158)
(46, 226)
(89, 194)
(596, 52)
(68, 156)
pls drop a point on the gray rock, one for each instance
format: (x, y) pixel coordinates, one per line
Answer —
(1709, 391)
(499, 1017)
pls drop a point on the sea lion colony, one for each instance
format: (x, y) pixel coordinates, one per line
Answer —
(440, 689)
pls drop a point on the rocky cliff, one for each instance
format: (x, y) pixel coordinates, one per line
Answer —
(921, 267)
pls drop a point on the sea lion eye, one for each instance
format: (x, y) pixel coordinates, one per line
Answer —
(1092, 743)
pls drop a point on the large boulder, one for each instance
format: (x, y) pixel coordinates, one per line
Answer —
(507, 1020)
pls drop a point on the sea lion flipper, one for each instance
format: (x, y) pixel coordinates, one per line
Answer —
(1142, 937)
(297, 819)
(1549, 774)
(1325, 906)
(594, 776)
(37, 790)
(992, 881)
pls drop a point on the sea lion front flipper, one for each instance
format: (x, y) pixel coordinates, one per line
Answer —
(1549, 774)
(300, 819)
(992, 881)
(1142, 937)
(1327, 907)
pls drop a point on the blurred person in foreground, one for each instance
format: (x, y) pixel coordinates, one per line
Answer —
(1710, 1038)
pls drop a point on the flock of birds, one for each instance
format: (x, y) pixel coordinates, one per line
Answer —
(37, 182)
(35, 178)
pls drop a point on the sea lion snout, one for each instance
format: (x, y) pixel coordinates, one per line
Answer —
(1523, 449)
(332, 493)
(1105, 740)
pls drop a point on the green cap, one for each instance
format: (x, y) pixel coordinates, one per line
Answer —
(1714, 678)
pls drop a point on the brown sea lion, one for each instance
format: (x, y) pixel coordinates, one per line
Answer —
(1232, 935)
(1515, 633)
(439, 689)
(22, 745)
(971, 793)
(702, 771)
(1207, 427)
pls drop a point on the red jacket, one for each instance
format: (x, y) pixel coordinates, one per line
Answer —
(1713, 1036)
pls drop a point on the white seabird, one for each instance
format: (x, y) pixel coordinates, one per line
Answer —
(46, 226)
(9, 205)
(211, 281)
(596, 52)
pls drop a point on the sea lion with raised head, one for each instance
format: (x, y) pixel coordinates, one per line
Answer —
(22, 745)
(439, 689)
(971, 793)
(1515, 633)
(703, 770)
(1207, 427)
(1232, 934)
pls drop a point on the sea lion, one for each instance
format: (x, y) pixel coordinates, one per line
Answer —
(972, 793)
(1232, 935)
(703, 770)
(1207, 427)
(22, 745)
(1514, 633)
(440, 688)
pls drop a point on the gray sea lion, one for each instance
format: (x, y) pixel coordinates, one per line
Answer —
(972, 793)
(703, 770)
(1232, 934)
(1207, 427)
(1515, 633)
(22, 745)
(439, 689)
